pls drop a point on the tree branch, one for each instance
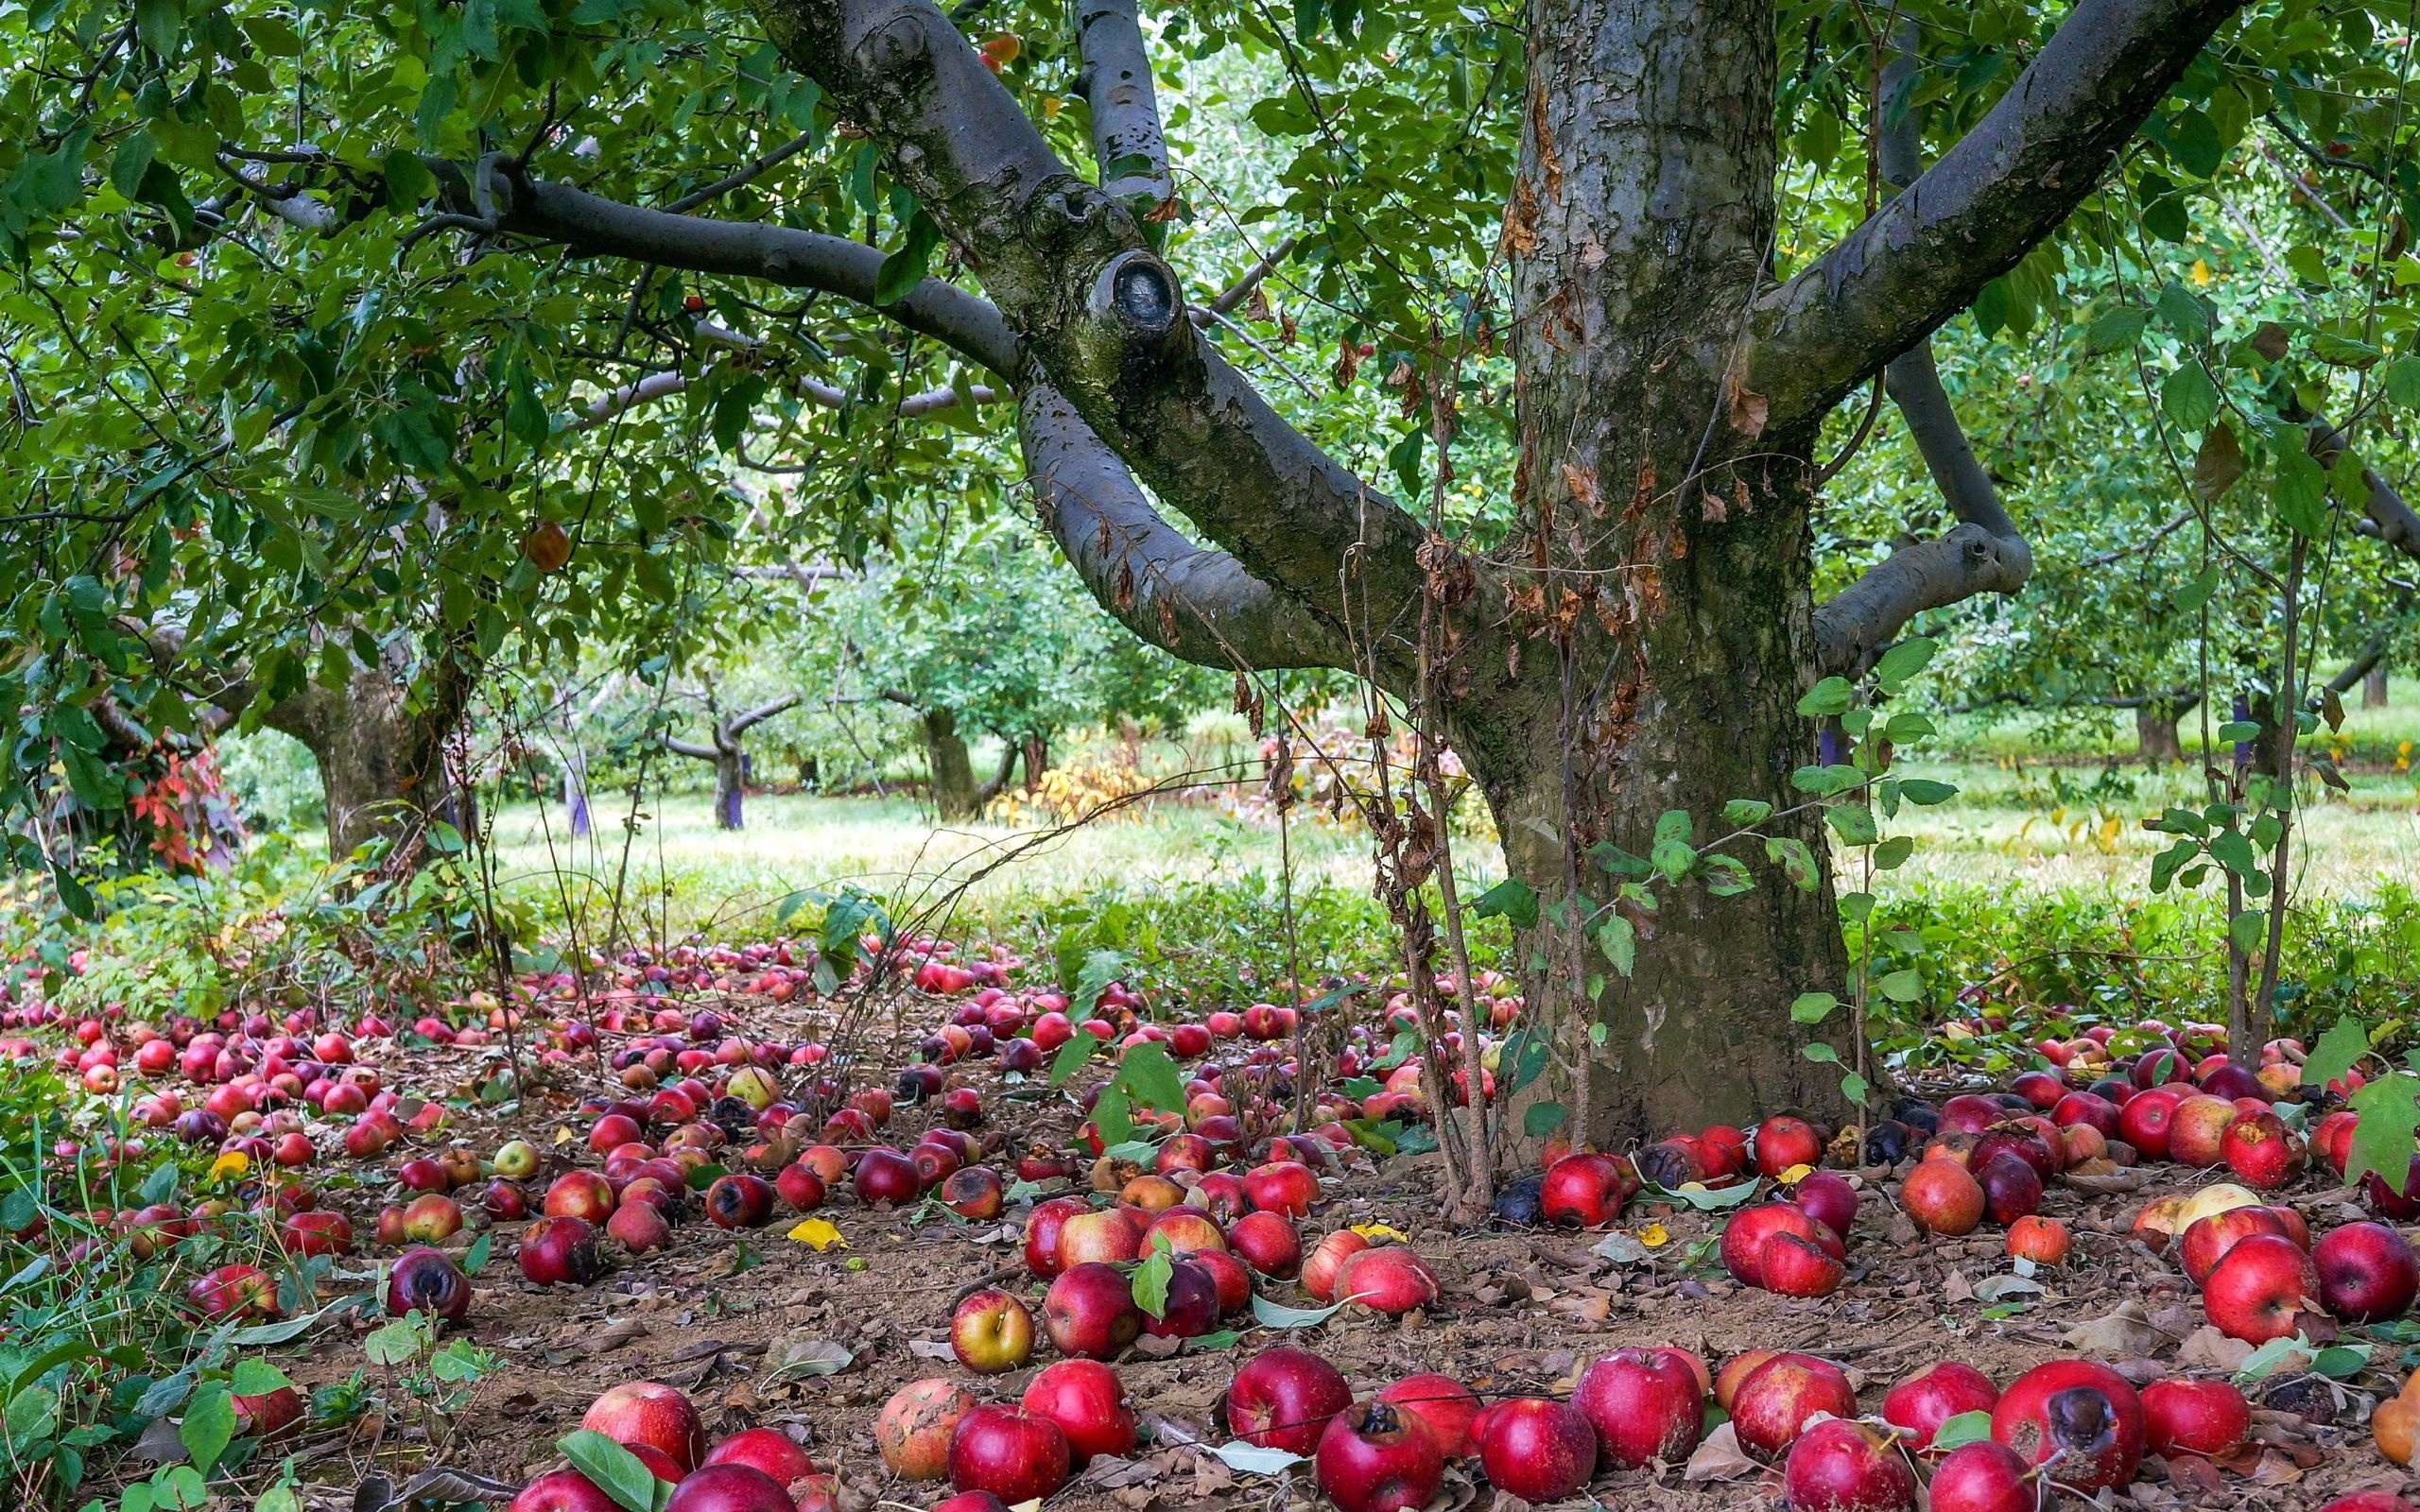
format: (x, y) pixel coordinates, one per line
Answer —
(1991, 198)
(1196, 604)
(741, 723)
(795, 258)
(689, 747)
(1101, 314)
(1984, 553)
(1116, 82)
(2389, 520)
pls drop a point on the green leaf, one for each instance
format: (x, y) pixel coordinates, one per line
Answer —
(1510, 899)
(2248, 930)
(1812, 1007)
(1852, 822)
(905, 268)
(1618, 940)
(1746, 813)
(1901, 985)
(2339, 1051)
(1854, 1088)
(1925, 792)
(2390, 1121)
(1892, 853)
(475, 1260)
(395, 1343)
(1822, 1053)
(33, 1412)
(617, 1472)
(2343, 351)
(254, 1378)
(1964, 1428)
(1796, 861)
(1542, 1119)
(2188, 397)
(2402, 379)
(1077, 1050)
(1276, 1316)
(1904, 660)
(159, 24)
(1833, 696)
(2299, 492)
(1152, 1078)
(2115, 328)
(209, 1425)
(1674, 858)
(1151, 1282)
(1101, 968)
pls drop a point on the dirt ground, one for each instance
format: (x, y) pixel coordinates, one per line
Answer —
(730, 1316)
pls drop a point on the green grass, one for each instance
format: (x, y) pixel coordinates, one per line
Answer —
(2018, 826)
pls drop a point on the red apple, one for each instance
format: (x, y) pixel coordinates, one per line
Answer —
(1283, 1398)
(1377, 1457)
(1090, 1312)
(1783, 1141)
(1943, 1196)
(1015, 1454)
(1267, 1243)
(651, 1413)
(562, 1492)
(2367, 1273)
(2078, 1420)
(1389, 1279)
(2260, 1288)
(1042, 1228)
(1537, 1450)
(766, 1448)
(1847, 1467)
(1582, 1190)
(2206, 1418)
(2262, 1151)
(915, 1427)
(1920, 1404)
(1984, 1476)
(2143, 1122)
(730, 1488)
(2206, 1240)
(1283, 1186)
(1088, 1402)
(1644, 1404)
(990, 1331)
(583, 1194)
(1441, 1403)
(1771, 1405)
(885, 1176)
(1326, 1262)
(1828, 1196)
(1110, 1236)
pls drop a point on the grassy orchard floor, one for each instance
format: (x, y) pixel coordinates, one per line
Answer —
(722, 1314)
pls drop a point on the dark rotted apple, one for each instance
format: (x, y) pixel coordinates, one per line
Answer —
(1774, 1403)
(974, 1192)
(1377, 1457)
(559, 1252)
(1267, 1243)
(653, 1413)
(1843, 1466)
(1441, 1403)
(2367, 1273)
(1190, 1308)
(1538, 1449)
(1087, 1400)
(1643, 1405)
(2080, 1421)
(1283, 1398)
(1090, 1311)
(730, 1488)
(1015, 1454)
(1920, 1404)
(740, 1200)
(766, 1448)
(427, 1280)
(2206, 1418)
(915, 1426)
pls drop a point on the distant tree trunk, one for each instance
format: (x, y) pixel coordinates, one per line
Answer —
(2373, 689)
(731, 787)
(1037, 760)
(2157, 743)
(729, 754)
(576, 792)
(954, 796)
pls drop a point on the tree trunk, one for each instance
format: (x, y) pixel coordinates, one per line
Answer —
(381, 760)
(2373, 689)
(731, 779)
(955, 800)
(576, 792)
(1690, 627)
(1037, 760)
(2156, 741)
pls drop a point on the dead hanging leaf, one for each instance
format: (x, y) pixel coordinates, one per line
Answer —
(2218, 463)
(1582, 481)
(1720, 1459)
(2272, 340)
(1749, 408)
(2125, 1331)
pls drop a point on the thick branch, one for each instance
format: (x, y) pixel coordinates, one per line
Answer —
(657, 385)
(2373, 650)
(1991, 198)
(1101, 314)
(689, 747)
(2389, 520)
(1984, 553)
(1196, 604)
(1116, 85)
(796, 259)
(741, 723)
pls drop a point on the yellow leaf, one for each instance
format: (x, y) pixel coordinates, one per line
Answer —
(233, 1164)
(1653, 1235)
(1796, 1174)
(819, 1232)
(1374, 1232)
(563, 1136)
(2201, 273)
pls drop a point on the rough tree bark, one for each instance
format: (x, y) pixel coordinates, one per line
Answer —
(2156, 741)
(2374, 688)
(1641, 646)
(726, 747)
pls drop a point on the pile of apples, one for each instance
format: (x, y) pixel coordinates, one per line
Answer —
(756, 1470)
